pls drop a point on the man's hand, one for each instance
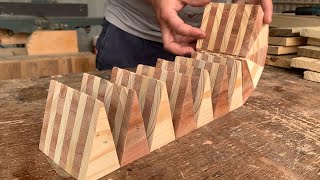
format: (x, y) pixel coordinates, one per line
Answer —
(266, 6)
(177, 36)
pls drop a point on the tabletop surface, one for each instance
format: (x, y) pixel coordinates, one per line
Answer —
(275, 135)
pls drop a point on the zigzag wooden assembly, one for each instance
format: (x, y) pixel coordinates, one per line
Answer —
(111, 124)
(180, 97)
(124, 115)
(154, 104)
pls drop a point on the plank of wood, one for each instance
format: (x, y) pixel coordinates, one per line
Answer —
(124, 115)
(288, 41)
(285, 32)
(306, 63)
(12, 52)
(201, 89)
(52, 42)
(19, 38)
(313, 42)
(283, 61)
(180, 97)
(313, 32)
(76, 134)
(309, 51)
(284, 21)
(154, 103)
(281, 50)
(36, 66)
(233, 29)
(312, 76)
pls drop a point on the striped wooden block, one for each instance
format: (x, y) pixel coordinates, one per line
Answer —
(76, 134)
(180, 97)
(235, 29)
(154, 104)
(124, 115)
(201, 89)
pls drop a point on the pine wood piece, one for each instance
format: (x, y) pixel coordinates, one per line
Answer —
(306, 63)
(309, 51)
(52, 42)
(288, 41)
(154, 104)
(124, 115)
(180, 97)
(36, 66)
(20, 38)
(283, 61)
(312, 76)
(280, 50)
(312, 32)
(284, 21)
(285, 32)
(201, 89)
(76, 134)
(234, 29)
(313, 42)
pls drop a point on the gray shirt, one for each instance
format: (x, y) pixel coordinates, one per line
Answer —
(138, 18)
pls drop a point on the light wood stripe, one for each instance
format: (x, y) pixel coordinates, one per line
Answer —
(119, 114)
(96, 84)
(84, 82)
(229, 26)
(113, 110)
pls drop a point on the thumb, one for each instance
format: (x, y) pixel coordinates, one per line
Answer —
(196, 3)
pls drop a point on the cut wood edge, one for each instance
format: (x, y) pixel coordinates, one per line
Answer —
(312, 76)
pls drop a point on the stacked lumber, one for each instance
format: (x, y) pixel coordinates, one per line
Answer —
(42, 53)
(111, 123)
(283, 46)
(309, 56)
(280, 6)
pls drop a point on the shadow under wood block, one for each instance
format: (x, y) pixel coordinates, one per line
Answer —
(180, 97)
(124, 115)
(154, 104)
(76, 133)
(201, 89)
(235, 29)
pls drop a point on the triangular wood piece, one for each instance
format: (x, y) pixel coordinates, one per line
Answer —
(154, 103)
(124, 115)
(76, 134)
(218, 78)
(201, 89)
(180, 96)
(247, 84)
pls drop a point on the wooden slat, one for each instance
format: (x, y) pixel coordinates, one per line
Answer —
(306, 63)
(284, 21)
(288, 41)
(313, 41)
(280, 50)
(283, 61)
(312, 76)
(313, 32)
(77, 136)
(285, 32)
(309, 51)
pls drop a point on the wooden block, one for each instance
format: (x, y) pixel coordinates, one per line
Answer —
(306, 63)
(309, 51)
(283, 61)
(288, 41)
(4, 52)
(180, 97)
(37, 66)
(154, 103)
(313, 32)
(234, 29)
(280, 50)
(312, 76)
(20, 38)
(76, 134)
(124, 115)
(201, 89)
(284, 21)
(52, 42)
(313, 41)
(285, 32)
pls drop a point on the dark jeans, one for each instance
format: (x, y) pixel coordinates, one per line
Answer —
(119, 48)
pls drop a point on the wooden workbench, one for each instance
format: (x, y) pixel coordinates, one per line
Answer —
(275, 135)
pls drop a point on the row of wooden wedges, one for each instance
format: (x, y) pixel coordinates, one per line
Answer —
(109, 124)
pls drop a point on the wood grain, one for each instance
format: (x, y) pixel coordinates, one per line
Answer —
(154, 104)
(309, 51)
(19, 38)
(281, 50)
(283, 61)
(313, 32)
(312, 76)
(306, 63)
(313, 41)
(288, 41)
(76, 133)
(285, 32)
(124, 115)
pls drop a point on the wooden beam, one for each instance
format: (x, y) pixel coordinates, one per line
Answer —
(280, 50)
(285, 21)
(313, 32)
(5, 52)
(313, 42)
(283, 61)
(180, 97)
(306, 63)
(312, 76)
(309, 51)
(124, 115)
(154, 103)
(76, 134)
(285, 32)
(52, 42)
(288, 41)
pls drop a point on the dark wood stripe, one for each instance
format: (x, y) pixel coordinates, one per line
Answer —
(90, 83)
(169, 82)
(137, 84)
(102, 90)
(222, 27)
(157, 73)
(57, 121)
(222, 108)
(69, 64)
(114, 106)
(235, 29)
(114, 75)
(151, 94)
(210, 24)
(69, 128)
(230, 66)
(217, 89)
(125, 78)
(47, 115)
(83, 135)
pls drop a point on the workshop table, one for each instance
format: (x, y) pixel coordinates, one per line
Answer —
(275, 135)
